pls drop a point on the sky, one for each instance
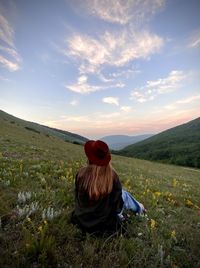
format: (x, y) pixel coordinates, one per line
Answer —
(101, 67)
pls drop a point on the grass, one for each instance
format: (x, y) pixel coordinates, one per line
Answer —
(37, 197)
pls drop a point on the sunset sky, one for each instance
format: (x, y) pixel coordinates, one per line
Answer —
(101, 67)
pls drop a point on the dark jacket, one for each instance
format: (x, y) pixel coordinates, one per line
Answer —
(101, 215)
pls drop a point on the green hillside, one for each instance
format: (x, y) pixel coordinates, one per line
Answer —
(179, 145)
(40, 129)
(37, 196)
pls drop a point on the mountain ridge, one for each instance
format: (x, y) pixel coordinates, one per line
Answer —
(178, 145)
(117, 142)
(39, 128)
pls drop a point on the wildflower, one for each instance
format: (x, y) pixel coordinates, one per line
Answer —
(50, 213)
(157, 194)
(27, 210)
(23, 197)
(40, 228)
(174, 183)
(43, 181)
(175, 266)
(173, 233)
(7, 183)
(188, 203)
(153, 224)
(161, 254)
(139, 234)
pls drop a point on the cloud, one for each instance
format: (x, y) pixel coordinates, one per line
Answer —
(82, 86)
(123, 11)
(77, 119)
(159, 86)
(2, 78)
(6, 32)
(194, 40)
(9, 58)
(112, 49)
(125, 108)
(74, 102)
(188, 100)
(111, 100)
(107, 116)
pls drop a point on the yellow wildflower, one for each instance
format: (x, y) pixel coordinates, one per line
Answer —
(157, 194)
(174, 183)
(188, 203)
(173, 234)
(153, 224)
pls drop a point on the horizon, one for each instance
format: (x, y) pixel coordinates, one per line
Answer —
(101, 68)
(111, 134)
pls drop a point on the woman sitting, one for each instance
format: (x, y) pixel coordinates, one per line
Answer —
(99, 198)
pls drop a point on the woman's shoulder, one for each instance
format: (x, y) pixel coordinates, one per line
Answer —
(115, 175)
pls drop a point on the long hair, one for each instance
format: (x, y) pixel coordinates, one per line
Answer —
(97, 181)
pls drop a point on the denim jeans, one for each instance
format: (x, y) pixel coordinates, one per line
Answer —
(130, 203)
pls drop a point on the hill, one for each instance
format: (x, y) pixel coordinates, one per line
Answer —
(179, 145)
(117, 142)
(40, 129)
(37, 197)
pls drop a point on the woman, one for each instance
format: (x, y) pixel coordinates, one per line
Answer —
(99, 198)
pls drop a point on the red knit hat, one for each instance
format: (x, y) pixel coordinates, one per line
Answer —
(97, 152)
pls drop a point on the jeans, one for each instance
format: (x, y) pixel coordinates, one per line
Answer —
(130, 203)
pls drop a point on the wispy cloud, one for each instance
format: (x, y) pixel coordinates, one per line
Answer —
(123, 11)
(113, 49)
(188, 100)
(6, 31)
(159, 86)
(126, 108)
(194, 40)
(74, 102)
(82, 86)
(2, 78)
(111, 100)
(9, 58)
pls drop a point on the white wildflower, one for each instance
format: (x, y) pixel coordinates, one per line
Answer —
(50, 213)
(24, 196)
(7, 183)
(27, 210)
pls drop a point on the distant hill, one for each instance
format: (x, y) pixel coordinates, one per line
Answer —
(37, 128)
(179, 145)
(117, 142)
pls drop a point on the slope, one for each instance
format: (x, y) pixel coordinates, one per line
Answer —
(179, 145)
(37, 197)
(40, 129)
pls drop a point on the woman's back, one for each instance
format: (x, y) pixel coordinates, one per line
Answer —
(97, 213)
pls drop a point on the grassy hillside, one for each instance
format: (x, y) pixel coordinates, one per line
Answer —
(36, 191)
(179, 145)
(40, 129)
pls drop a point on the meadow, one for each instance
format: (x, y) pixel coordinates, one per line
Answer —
(37, 197)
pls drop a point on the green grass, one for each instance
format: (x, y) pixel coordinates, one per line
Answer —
(43, 168)
(179, 145)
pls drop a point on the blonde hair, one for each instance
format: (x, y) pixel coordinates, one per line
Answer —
(97, 181)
